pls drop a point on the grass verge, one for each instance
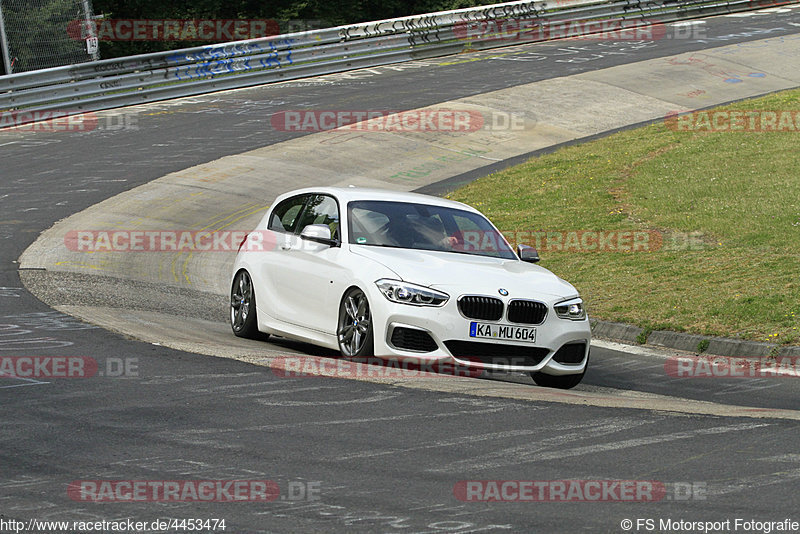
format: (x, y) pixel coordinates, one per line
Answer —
(721, 212)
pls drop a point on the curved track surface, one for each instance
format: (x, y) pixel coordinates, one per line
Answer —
(385, 458)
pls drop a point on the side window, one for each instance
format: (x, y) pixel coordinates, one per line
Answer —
(321, 209)
(284, 216)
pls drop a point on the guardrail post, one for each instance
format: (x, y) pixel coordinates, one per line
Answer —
(87, 16)
(4, 42)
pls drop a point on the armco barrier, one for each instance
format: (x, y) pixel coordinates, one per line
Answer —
(145, 78)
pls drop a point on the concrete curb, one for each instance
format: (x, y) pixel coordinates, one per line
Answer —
(718, 346)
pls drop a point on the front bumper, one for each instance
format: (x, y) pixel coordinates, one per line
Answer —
(442, 335)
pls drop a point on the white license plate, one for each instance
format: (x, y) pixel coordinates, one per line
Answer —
(505, 332)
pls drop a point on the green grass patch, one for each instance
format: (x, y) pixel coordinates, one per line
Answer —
(725, 206)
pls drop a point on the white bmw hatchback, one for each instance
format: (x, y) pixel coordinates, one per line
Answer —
(405, 276)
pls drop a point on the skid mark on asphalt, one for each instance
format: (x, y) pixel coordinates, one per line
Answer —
(378, 397)
(228, 387)
(521, 453)
(10, 292)
(736, 386)
(336, 422)
(168, 379)
(23, 481)
(486, 403)
(746, 385)
(411, 524)
(22, 335)
(644, 363)
(51, 320)
(280, 391)
(12, 337)
(183, 467)
(750, 483)
(531, 452)
(450, 442)
(632, 365)
(24, 382)
(793, 458)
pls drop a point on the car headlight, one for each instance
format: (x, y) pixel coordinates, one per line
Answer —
(412, 294)
(571, 309)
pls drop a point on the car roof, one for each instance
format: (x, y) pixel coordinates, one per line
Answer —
(349, 194)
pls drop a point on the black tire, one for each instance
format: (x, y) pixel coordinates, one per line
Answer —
(244, 321)
(561, 381)
(354, 329)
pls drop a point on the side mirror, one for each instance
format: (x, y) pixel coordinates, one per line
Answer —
(319, 233)
(528, 254)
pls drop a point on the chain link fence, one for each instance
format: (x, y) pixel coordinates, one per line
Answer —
(34, 34)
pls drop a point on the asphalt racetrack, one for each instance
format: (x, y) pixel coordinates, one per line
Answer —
(352, 455)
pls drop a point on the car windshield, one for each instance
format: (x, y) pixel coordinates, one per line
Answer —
(424, 227)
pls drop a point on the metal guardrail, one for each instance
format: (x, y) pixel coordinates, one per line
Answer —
(145, 78)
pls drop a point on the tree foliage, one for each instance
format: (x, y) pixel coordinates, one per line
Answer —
(37, 33)
(38, 29)
(321, 13)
